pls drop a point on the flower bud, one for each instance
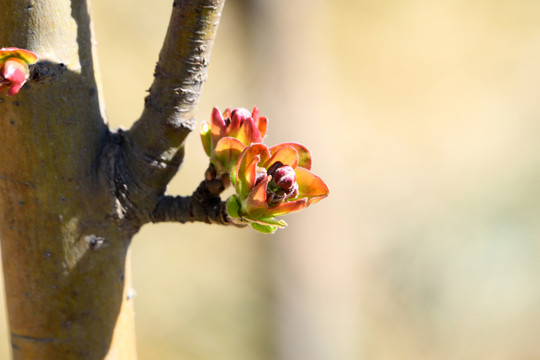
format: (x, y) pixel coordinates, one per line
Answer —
(270, 182)
(14, 69)
(293, 191)
(274, 198)
(241, 114)
(285, 178)
(261, 175)
(272, 169)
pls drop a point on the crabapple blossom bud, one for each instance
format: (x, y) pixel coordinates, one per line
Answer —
(14, 70)
(285, 177)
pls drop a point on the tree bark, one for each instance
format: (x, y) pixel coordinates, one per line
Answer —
(73, 193)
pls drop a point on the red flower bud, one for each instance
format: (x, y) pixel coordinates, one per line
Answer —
(271, 182)
(293, 191)
(261, 175)
(272, 169)
(285, 178)
(240, 115)
(14, 69)
(274, 198)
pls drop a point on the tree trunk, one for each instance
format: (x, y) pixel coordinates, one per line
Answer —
(72, 193)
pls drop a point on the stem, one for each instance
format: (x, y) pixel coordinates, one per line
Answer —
(154, 145)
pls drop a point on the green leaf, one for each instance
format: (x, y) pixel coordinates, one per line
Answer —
(246, 179)
(218, 128)
(265, 229)
(234, 206)
(206, 137)
(310, 186)
(269, 220)
(228, 151)
(287, 207)
(13, 52)
(246, 170)
(248, 132)
(304, 155)
(256, 200)
(260, 121)
(285, 155)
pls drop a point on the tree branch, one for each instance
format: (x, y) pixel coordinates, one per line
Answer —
(154, 145)
(201, 206)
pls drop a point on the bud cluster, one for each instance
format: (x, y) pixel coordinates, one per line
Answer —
(268, 182)
(282, 185)
(14, 70)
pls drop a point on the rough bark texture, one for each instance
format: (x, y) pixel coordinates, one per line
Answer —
(72, 194)
(154, 145)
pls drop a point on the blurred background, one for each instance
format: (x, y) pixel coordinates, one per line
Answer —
(423, 118)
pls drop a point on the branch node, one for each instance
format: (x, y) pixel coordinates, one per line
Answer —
(203, 205)
(46, 71)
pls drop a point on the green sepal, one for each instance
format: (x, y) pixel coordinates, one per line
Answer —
(227, 152)
(265, 229)
(206, 137)
(233, 207)
(270, 220)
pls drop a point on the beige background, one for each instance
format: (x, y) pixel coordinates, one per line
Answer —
(423, 117)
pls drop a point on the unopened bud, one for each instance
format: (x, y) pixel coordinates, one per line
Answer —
(261, 175)
(241, 114)
(274, 198)
(293, 191)
(285, 178)
(272, 169)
